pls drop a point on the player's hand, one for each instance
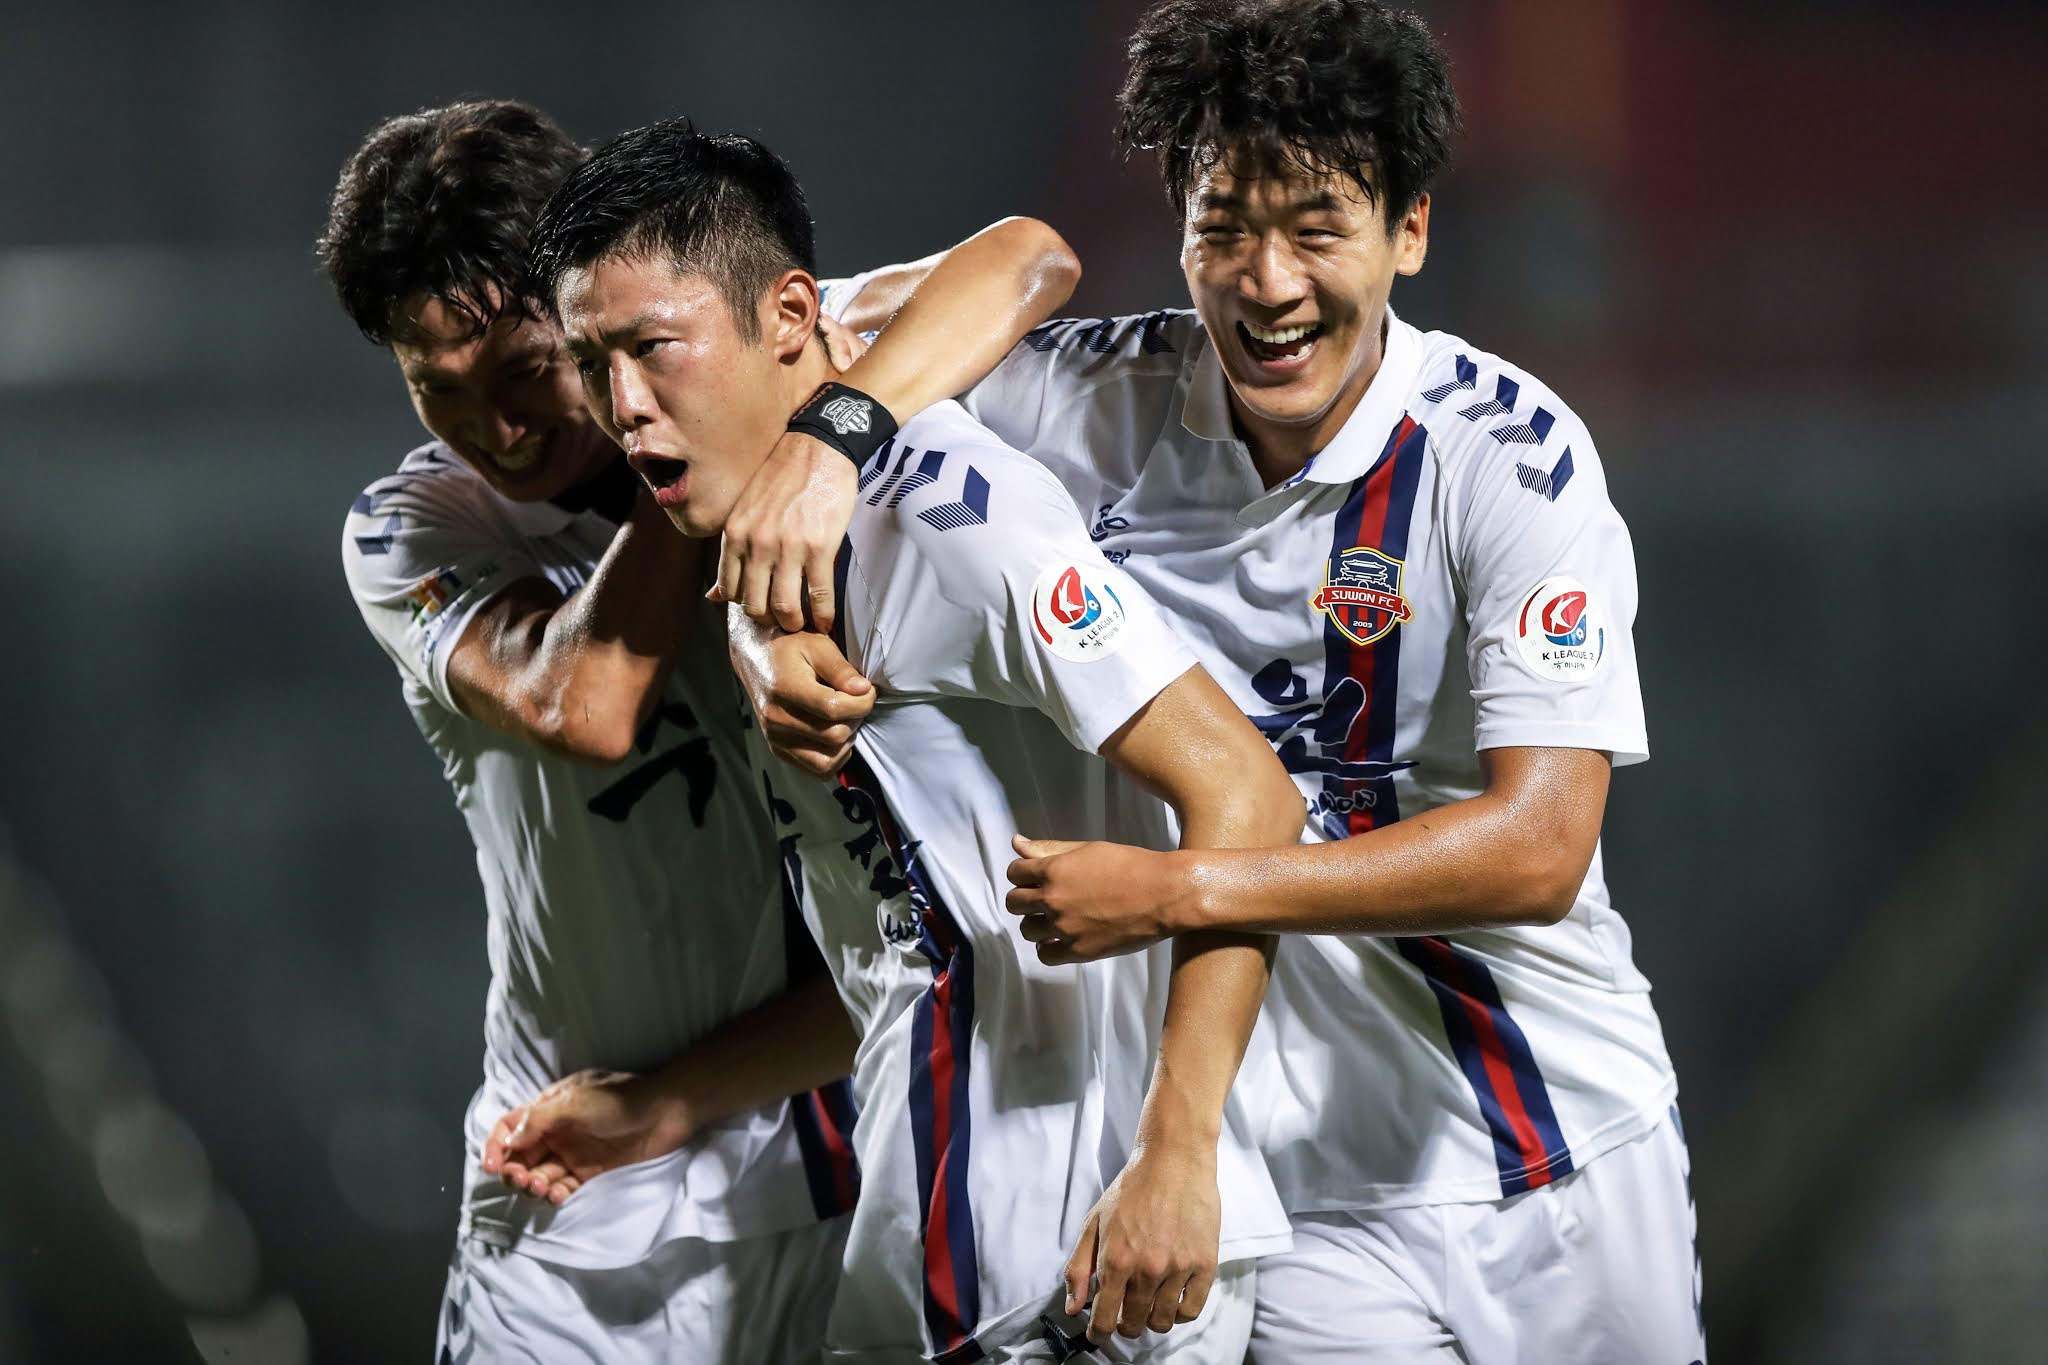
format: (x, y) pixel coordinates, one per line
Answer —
(842, 343)
(808, 699)
(1080, 902)
(784, 533)
(579, 1127)
(1149, 1243)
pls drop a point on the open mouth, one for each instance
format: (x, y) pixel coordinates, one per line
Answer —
(520, 460)
(1279, 347)
(668, 477)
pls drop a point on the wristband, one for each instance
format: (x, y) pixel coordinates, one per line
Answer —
(846, 419)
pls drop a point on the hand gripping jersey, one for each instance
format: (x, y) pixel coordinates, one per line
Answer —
(631, 908)
(998, 1096)
(1447, 576)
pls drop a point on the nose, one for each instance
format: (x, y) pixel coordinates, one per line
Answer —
(632, 400)
(500, 430)
(1273, 277)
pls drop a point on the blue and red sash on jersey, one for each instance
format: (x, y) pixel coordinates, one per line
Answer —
(823, 1118)
(941, 1032)
(1492, 1051)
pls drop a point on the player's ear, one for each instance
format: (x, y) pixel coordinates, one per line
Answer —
(1411, 238)
(790, 315)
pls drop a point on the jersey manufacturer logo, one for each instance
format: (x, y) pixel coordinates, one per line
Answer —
(846, 414)
(1560, 630)
(1361, 594)
(1078, 616)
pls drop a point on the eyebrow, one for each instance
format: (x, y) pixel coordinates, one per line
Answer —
(611, 336)
(1320, 202)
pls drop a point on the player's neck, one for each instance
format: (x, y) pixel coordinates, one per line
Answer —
(1281, 450)
(813, 366)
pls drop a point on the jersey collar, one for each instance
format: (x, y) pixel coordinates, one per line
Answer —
(1364, 434)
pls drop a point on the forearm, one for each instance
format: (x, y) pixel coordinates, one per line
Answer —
(602, 656)
(784, 1046)
(959, 321)
(1219, 980)
(1474, 864)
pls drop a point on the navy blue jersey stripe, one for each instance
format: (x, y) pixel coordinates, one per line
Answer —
(941, 1033)
(1492, 1051)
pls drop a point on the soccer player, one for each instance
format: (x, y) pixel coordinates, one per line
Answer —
(1397, 553)
(1006, 1106)
(553, 647)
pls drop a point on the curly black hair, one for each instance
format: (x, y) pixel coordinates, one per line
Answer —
(1315, 86)
(442, 203)
(720, 205)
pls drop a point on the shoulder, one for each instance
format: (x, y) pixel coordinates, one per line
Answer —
(1135, 343)
(1080, 358)
(950, 493)
(945, 471)
(432, 493)
(1484, 413)
(430, 478)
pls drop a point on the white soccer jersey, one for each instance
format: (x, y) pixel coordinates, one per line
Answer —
(998, 1096)
(631, 908)
(1447, 576)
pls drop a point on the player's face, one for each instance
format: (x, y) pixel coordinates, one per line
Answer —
(505, 400)
(669, 377)
(1290, 273)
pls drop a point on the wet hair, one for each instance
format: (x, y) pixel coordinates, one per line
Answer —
(1354, 87)
(718, 205)
(442, 203)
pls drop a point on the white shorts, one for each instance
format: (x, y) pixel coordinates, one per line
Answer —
(1598, 1268)
(1218, 1337)
(757, 1301)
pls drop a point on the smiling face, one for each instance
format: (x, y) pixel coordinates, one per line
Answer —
(504, 399)
(1290, 274)
(670, 377)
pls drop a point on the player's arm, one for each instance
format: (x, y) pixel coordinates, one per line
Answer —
(1515, 854)
(578, 674)
(1151, 1242)
(1547, 734)
(951, 328)
(596, 1121)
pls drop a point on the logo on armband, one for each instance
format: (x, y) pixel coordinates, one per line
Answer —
(1559, 630)
(847, 415)
(1078, 616)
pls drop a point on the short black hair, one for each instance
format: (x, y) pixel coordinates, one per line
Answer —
(1316, 86)
(442, 202)
(720, 205)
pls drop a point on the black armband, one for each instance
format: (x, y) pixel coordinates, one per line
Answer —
(846, 419)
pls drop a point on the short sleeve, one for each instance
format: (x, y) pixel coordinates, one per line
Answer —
(835, 294)
(1072, 394)
(986, 585)
(420, 562)
(1548, 577)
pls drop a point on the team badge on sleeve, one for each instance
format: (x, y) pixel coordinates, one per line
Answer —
(432, 594)
(1560, 630)
(1076, 614)
(1361, 594)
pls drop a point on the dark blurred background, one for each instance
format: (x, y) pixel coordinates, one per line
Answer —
(1789, 259)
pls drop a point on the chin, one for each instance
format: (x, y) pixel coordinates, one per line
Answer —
(1293, 405)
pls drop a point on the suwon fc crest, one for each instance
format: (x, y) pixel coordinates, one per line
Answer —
(1361, 594)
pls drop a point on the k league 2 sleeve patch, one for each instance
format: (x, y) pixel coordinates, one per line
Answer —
(1077, 614)
(1561, 630)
